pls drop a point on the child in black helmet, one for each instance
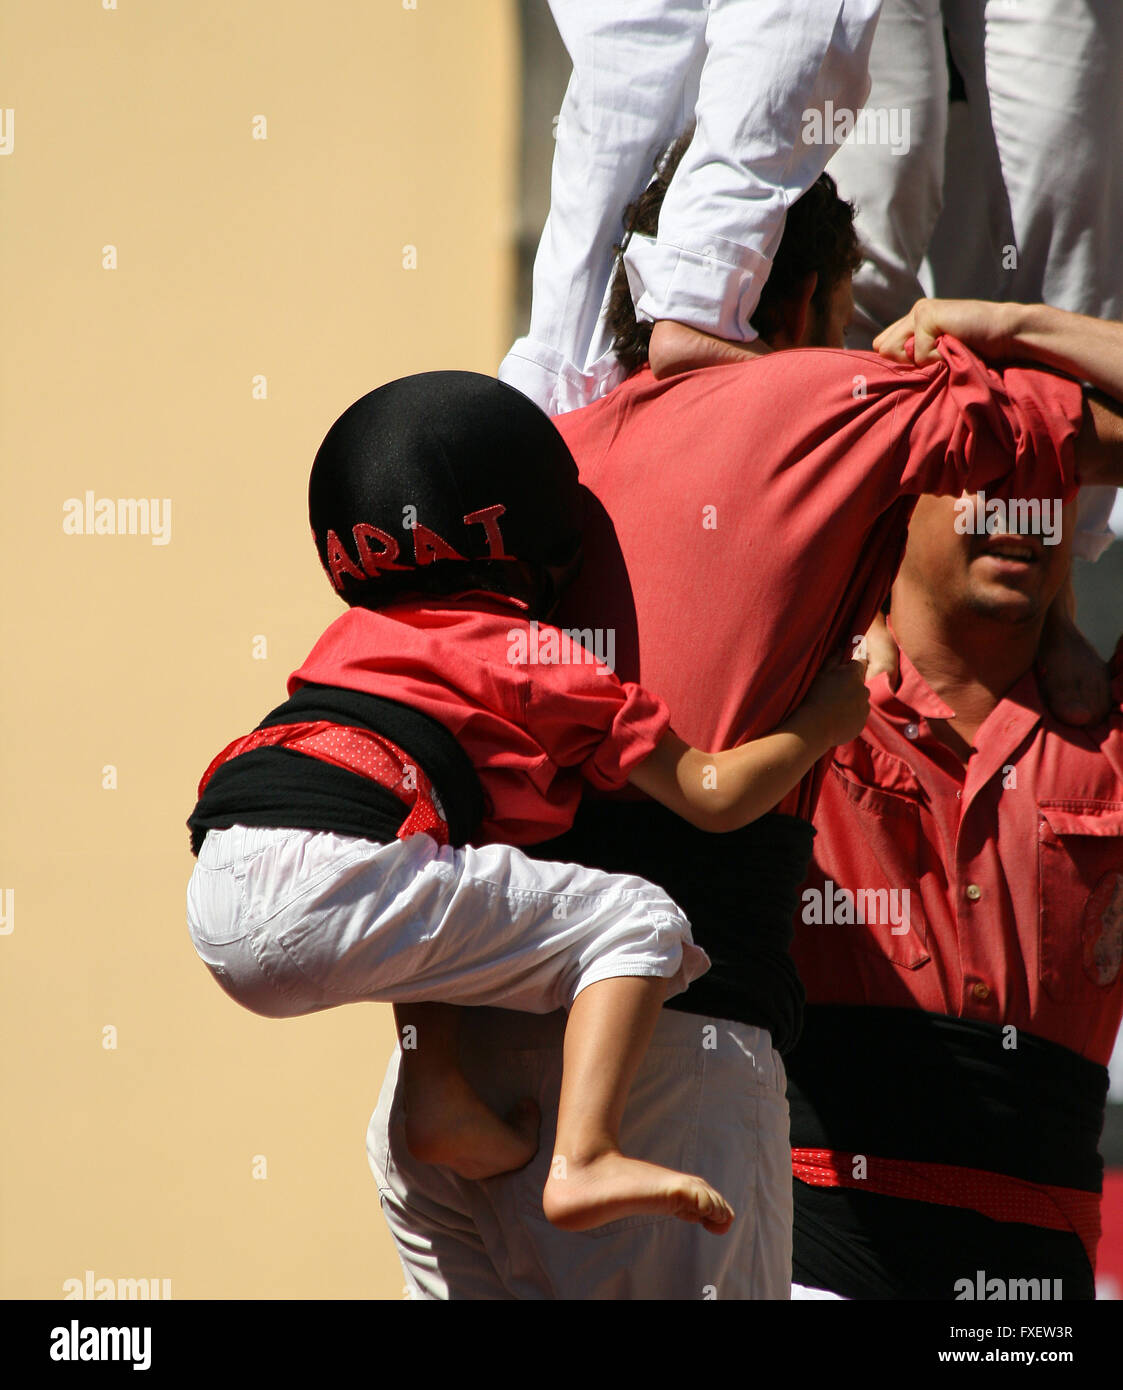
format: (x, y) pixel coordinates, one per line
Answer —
(362, 843)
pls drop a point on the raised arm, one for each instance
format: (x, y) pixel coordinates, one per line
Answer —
(1086, 348)
(724, 791)
(1089, 349)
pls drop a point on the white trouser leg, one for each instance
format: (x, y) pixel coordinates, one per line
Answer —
(897, 195)
(1044, 83)
(775, 75)
(751, 72)
(709, 1098)
(633, 88)
(293, 921)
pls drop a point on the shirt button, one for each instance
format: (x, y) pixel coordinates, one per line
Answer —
(974, 892)
(912, 731)
(981, 991)
(959, 796)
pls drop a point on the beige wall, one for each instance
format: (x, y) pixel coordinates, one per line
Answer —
(387, 127)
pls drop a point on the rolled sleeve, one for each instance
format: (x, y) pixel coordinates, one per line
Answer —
(640, 721)
(715, 287)
(1012, 432)
(583, 716)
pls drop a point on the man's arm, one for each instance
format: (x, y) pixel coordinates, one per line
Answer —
(1091, 349)
(1086, 348)
(725, 790)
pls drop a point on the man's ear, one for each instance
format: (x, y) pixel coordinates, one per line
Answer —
(795, 315)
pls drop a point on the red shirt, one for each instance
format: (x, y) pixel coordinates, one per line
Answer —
(536, 723)
(1013, 862)
(748, 520)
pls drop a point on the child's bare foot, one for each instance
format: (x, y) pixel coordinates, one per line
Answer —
(579, 1196)
(447, 1123)
(676, 348)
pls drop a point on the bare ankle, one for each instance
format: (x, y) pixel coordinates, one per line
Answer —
(583, 1151)
(676, 347)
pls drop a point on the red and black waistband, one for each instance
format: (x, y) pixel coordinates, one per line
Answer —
(964, 1117)
(360, 751)
(341, 760)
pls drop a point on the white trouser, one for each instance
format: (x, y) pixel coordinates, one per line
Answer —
(294, 921)
(709, 1098)
(751, 72)
(1032, 206)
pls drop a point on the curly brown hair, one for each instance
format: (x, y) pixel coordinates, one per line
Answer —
(819, 237)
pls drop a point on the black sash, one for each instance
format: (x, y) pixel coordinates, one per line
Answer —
(903, 1084)
(740, 891)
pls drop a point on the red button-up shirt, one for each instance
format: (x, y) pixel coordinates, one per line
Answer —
(1013, 862)
(748, 520)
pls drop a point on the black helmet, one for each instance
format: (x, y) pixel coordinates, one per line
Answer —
(439, 468)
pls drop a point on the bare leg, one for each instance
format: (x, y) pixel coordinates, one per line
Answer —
(446, 1121)
(591, 1182)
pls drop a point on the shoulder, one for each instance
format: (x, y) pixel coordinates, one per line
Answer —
(1074, 758)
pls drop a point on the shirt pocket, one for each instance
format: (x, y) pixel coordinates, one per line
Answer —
(1080, 898)
(884, 854)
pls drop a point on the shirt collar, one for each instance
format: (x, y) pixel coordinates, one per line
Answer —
(913, 694)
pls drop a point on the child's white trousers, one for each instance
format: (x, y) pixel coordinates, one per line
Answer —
(294, 921)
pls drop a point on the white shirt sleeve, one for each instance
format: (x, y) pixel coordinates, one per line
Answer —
(752, 73)
(636, 66)
(775, 80)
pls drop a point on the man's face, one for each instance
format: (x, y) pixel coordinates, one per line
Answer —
(976, 560)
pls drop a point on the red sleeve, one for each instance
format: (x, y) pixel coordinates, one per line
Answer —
(1010, 431)
(582, 715)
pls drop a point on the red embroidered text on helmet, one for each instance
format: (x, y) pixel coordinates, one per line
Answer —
(438, 469)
